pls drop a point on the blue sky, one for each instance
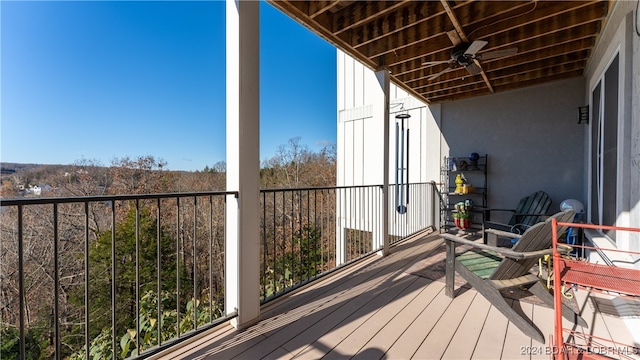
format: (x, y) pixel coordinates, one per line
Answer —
(109, 79)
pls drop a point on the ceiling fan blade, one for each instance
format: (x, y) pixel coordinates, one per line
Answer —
(429, 63)
(498, 53)
(475, 47)
(454, 37)
(474, 68)
(437, 75)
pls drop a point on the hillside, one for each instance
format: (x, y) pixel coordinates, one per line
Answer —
(10, 168)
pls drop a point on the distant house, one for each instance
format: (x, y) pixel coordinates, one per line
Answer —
(36, 190)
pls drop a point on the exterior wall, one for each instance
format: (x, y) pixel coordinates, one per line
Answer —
(360, 148)
(619, 37)
(531, 145)
(360, 128)
(532, 139)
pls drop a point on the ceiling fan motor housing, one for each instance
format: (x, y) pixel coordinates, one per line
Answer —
(459, 56)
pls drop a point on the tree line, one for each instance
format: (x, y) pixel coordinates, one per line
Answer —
(176, 266)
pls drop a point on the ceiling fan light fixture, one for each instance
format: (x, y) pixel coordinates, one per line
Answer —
(465, 60)
(459, 56)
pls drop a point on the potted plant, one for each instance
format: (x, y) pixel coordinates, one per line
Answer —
(462, 219)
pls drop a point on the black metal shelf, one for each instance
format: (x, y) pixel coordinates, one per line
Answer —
(479, 191)
(462, 171)
(476, 175)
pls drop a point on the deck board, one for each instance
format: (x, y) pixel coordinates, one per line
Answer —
(376, 310)
(464, 340)
(492, 336)
(436, 344)
(388, 335)
(519, 345)
(543, 318)
(409, 342)
(361, 309)
(359, 339)
(338, 324)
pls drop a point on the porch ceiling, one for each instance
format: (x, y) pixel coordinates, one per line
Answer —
(553, 40)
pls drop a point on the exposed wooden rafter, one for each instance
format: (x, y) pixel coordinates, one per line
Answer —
(554, 40)
(462, 36)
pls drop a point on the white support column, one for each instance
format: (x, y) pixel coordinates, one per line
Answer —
(242, 291)
(384, 81)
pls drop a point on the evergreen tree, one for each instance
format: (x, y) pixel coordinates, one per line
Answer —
(126, 274)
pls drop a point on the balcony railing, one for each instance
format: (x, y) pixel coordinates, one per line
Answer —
(126, 276)
(110, 274)
(309, 232)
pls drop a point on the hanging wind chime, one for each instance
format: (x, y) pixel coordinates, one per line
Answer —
(402, 167)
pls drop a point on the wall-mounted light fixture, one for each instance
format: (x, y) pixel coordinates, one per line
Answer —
(583, 115)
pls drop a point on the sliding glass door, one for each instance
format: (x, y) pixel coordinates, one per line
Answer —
(604, 148)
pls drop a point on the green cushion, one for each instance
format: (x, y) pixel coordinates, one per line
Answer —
(481, 263)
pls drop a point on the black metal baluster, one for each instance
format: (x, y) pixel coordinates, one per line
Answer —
(195, 270)
(21, 289)
(264, 245)
(178, 266)
(210, 258)
(308, 236)
(158, 272)
(86, 280)
(299, 238)
(275, 246)
(56, 284)
(113, 278)
(137, 204)
(291, 240)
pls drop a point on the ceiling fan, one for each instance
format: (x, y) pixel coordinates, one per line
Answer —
(466, 55)
(465, 52)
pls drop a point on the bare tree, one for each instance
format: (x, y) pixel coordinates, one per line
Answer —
(295, 165)
(141, 175)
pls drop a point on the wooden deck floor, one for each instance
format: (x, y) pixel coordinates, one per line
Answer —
(376, 310)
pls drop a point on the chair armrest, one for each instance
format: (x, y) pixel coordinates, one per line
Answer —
(502, 233)
(497, 226)
(562, 249)
(500, 250)
(493, 231)
(487, 212)
(463, 241)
